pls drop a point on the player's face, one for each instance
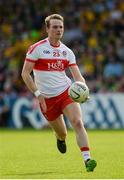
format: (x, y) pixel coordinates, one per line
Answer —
(56, 29)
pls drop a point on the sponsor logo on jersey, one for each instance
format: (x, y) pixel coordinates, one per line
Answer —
(56, 66)
(46, 52)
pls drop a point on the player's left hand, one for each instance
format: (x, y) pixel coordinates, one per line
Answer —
(42, 103)
(87, 99)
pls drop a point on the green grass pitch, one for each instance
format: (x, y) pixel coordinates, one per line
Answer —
(32, 154)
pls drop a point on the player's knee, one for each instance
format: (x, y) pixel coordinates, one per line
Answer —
(78, 124)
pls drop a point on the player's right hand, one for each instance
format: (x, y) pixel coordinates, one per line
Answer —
(42, 103)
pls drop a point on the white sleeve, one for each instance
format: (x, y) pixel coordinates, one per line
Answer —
(71, 58)
(32, 54)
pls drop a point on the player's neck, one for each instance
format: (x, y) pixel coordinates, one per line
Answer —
(54, 42)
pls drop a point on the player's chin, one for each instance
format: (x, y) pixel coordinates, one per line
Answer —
(59, 35)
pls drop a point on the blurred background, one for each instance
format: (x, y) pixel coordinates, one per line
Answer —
(94, 30)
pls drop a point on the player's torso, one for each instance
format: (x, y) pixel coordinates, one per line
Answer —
(49, 69)
(52, 58)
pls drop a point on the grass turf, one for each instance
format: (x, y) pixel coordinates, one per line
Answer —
(33, 154)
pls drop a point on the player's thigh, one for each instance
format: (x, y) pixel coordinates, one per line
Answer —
(73, 112)
(59, 126)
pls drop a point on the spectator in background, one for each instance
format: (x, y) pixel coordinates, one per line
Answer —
(113, 72)
(113, 68)
(120, 49)
(120, 86)
(4, 111)
(6, 98)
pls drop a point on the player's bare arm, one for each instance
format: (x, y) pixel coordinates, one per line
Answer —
(76, 73)
(26, 75)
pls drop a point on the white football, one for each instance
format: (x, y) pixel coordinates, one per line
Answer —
(79, 92)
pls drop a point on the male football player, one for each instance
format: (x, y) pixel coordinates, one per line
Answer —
(48, 60)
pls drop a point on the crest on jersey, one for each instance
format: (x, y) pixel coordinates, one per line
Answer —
(64, 53)
(59, 62)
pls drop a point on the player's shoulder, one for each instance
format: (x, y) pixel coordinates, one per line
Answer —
(67, 48)
(37, 45)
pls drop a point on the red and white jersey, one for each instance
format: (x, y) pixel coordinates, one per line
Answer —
(50, 64)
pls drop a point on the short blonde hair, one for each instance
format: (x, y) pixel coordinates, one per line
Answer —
(53, 16)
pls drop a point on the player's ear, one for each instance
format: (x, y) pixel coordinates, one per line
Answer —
(47, 29)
